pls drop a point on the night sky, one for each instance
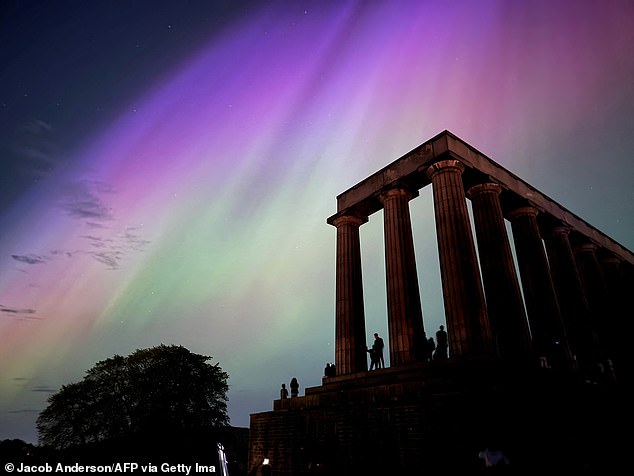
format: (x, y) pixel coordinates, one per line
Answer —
(167, 167)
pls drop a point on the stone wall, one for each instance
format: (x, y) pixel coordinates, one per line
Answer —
(431, 417)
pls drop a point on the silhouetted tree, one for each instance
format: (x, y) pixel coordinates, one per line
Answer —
(160, 389)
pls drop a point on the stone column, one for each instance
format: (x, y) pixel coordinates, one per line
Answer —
(350, 346)
(548, 336)
(595, 290)
(610, 270)
(572, 300)
(615, 295)
(503, 296)
(616, 343)
(465, 311)
(404, 314)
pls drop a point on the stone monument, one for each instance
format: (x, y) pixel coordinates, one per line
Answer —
(536, 362)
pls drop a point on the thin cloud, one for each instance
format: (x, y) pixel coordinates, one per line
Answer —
(11, 310)
(134, 240)
(68, 254)
(37, 126)
(97, 241)
(43, 389)
(38, 151)
(82, 201)
(91, 224)
(29, 259)
(112, 251)
(18, 313)
(110, 259)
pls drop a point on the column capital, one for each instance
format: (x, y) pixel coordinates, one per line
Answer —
(585, 247)
(396, 192)
(347, 219)
(480, 188)
(445, 165)
(523, 211)
(613, 260)
(560, 230)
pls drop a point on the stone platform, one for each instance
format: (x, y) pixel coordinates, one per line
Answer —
(439, 416)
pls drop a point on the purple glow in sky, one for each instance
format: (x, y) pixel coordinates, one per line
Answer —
(167, 166)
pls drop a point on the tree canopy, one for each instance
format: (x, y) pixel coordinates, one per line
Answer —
(163, 388)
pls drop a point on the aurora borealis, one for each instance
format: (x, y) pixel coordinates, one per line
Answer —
(168, 166)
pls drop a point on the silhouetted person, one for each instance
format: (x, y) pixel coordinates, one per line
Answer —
(284, 391)
(294, 387)
(557, 355)
(430, 347)
(493, 458)
(442, 344)
(329, 371)
(378, 348)
(374, 358)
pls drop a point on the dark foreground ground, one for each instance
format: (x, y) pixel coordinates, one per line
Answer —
(557, 427)
(162, 451)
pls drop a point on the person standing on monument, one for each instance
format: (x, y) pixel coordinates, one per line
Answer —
(294, 387)
(378, 349)
(374, 364)
(442, 344)
(283, 392)
(430, 347)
